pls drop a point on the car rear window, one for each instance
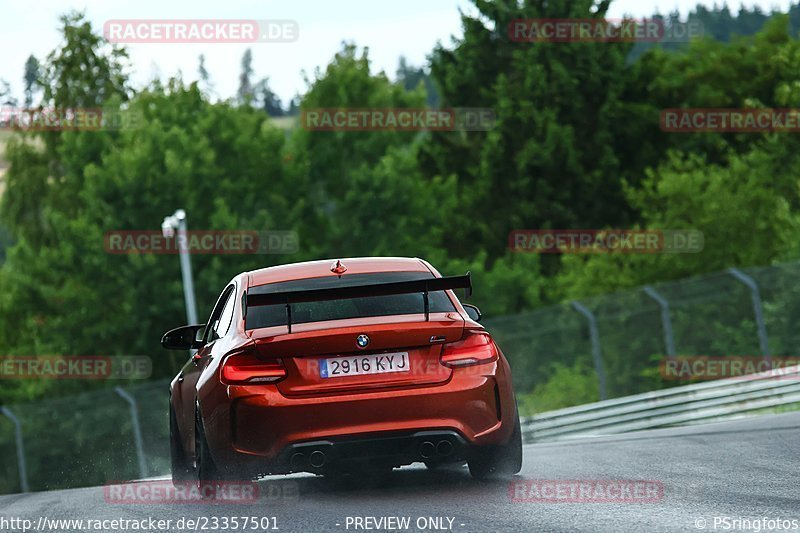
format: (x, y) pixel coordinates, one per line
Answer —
(304, 312)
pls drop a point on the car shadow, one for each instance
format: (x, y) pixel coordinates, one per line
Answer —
(414, 480)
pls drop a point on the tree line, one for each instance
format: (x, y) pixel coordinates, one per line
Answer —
(576, 144)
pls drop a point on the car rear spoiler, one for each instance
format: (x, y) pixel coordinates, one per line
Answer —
(424, 286)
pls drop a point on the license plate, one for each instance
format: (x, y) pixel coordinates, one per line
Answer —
(382, 363)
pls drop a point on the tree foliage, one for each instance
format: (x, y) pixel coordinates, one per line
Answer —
(576, 144)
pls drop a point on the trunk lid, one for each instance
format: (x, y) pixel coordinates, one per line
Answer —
(316, 350)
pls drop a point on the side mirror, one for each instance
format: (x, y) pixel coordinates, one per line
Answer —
(184, 338)
(473, 312)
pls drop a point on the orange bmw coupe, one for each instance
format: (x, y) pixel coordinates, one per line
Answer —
(332, 367)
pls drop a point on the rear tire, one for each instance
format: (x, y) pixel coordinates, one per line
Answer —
(181, 470)
(205, 470)
(498, 461)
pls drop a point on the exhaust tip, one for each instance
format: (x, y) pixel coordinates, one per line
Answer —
(427, 449)
(298, 460)
(444, 447)
(316, 459)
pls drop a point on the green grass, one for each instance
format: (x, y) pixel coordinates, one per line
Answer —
(5, 135)
(568, 386)
(788, 408)
(285, 123)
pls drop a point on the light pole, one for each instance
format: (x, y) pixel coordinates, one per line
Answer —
(171, 224)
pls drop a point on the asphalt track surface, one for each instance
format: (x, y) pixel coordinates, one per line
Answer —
(743, 469)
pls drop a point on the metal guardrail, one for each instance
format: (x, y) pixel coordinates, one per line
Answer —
(678, 405)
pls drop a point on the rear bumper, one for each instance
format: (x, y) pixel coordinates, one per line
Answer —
(389, 450)
(261, 429)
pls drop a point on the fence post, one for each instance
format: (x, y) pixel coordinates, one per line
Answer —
(755, 296)
(137, 430)
(666, 323)
(596, 353)
(23, 471)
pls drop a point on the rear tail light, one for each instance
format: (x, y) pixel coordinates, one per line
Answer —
(244, 367)
(476, 349)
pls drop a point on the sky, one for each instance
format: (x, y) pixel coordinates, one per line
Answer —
(410, 28)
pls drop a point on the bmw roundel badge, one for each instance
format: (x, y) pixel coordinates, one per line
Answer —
(362, 341)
